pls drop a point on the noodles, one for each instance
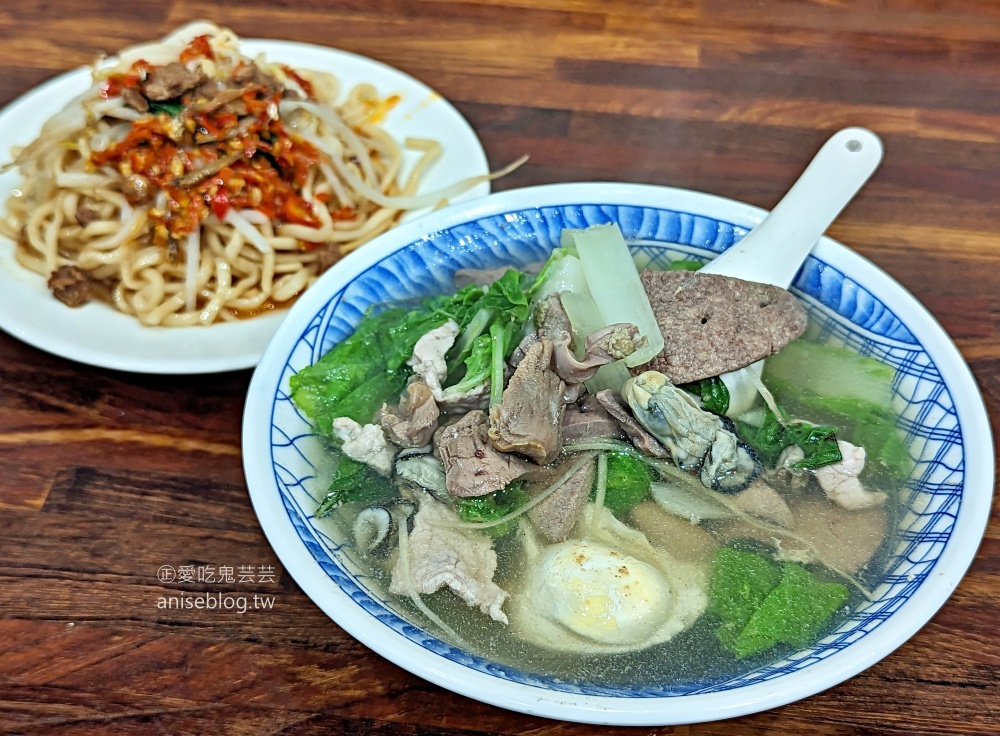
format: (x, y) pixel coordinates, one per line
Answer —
(192, 184)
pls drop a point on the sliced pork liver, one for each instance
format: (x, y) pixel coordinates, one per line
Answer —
(714, 324)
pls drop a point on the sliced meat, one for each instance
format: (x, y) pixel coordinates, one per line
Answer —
(680, 537)
(207, 90)
(840, 481)
(137, 189)
(642, 439)
(428, 361)
(762, 501)
(366, 444)
(86, 215)
(473, 467)
(588, 420)
(250, 73)
(218, 98)
(326, 255)
(441, 554)
(134, 99)
(70, 285)
(528, 420)
(556, 516)
(414, 422)
(838, 538)
(715, 324)
(170, 81)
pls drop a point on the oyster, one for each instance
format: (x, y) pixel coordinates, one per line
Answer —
(694, 437)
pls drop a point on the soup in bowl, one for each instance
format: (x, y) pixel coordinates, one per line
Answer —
(514, 463)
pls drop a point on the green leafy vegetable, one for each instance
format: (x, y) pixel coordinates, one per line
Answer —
(793, 613)
(761, 604)
(506, 297)
(494, 506)
(355, 372)
(499, 315)
(354, 482)
(173, 109)
(561, 272)
(713, 392)
(740, 583)
(477, 364)
(840, 387)
(501, 339)
(629, 482)
(466, 343)
(818, 443)
(368, 368)
(831, 371)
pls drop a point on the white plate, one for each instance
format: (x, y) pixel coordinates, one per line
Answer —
(98, 335)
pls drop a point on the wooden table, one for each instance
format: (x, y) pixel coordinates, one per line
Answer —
(105, 476)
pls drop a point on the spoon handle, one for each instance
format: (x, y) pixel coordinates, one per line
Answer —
(774, 250)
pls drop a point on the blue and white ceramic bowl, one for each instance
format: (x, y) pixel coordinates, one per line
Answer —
(853, 301)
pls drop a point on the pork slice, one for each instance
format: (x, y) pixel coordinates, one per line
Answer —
(528, 420)
(441, 554)
(715, 324)
(170, 81)
(642, 439)
(134, 99)
(86, 215)
(840, 483)
(414, 422)
(365, 443)
(70, 285)
(472, 466)
(428, 361)
(250, 73)
(556, 516)
(762, 501)
(588, 420)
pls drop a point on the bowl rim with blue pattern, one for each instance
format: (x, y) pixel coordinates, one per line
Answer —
(855, 302)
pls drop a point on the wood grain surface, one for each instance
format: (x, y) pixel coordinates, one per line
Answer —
(106, 476)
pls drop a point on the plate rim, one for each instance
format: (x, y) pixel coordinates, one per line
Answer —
(951, 566)
(48, 330)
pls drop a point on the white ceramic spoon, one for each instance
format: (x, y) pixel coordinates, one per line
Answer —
(773, 252)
